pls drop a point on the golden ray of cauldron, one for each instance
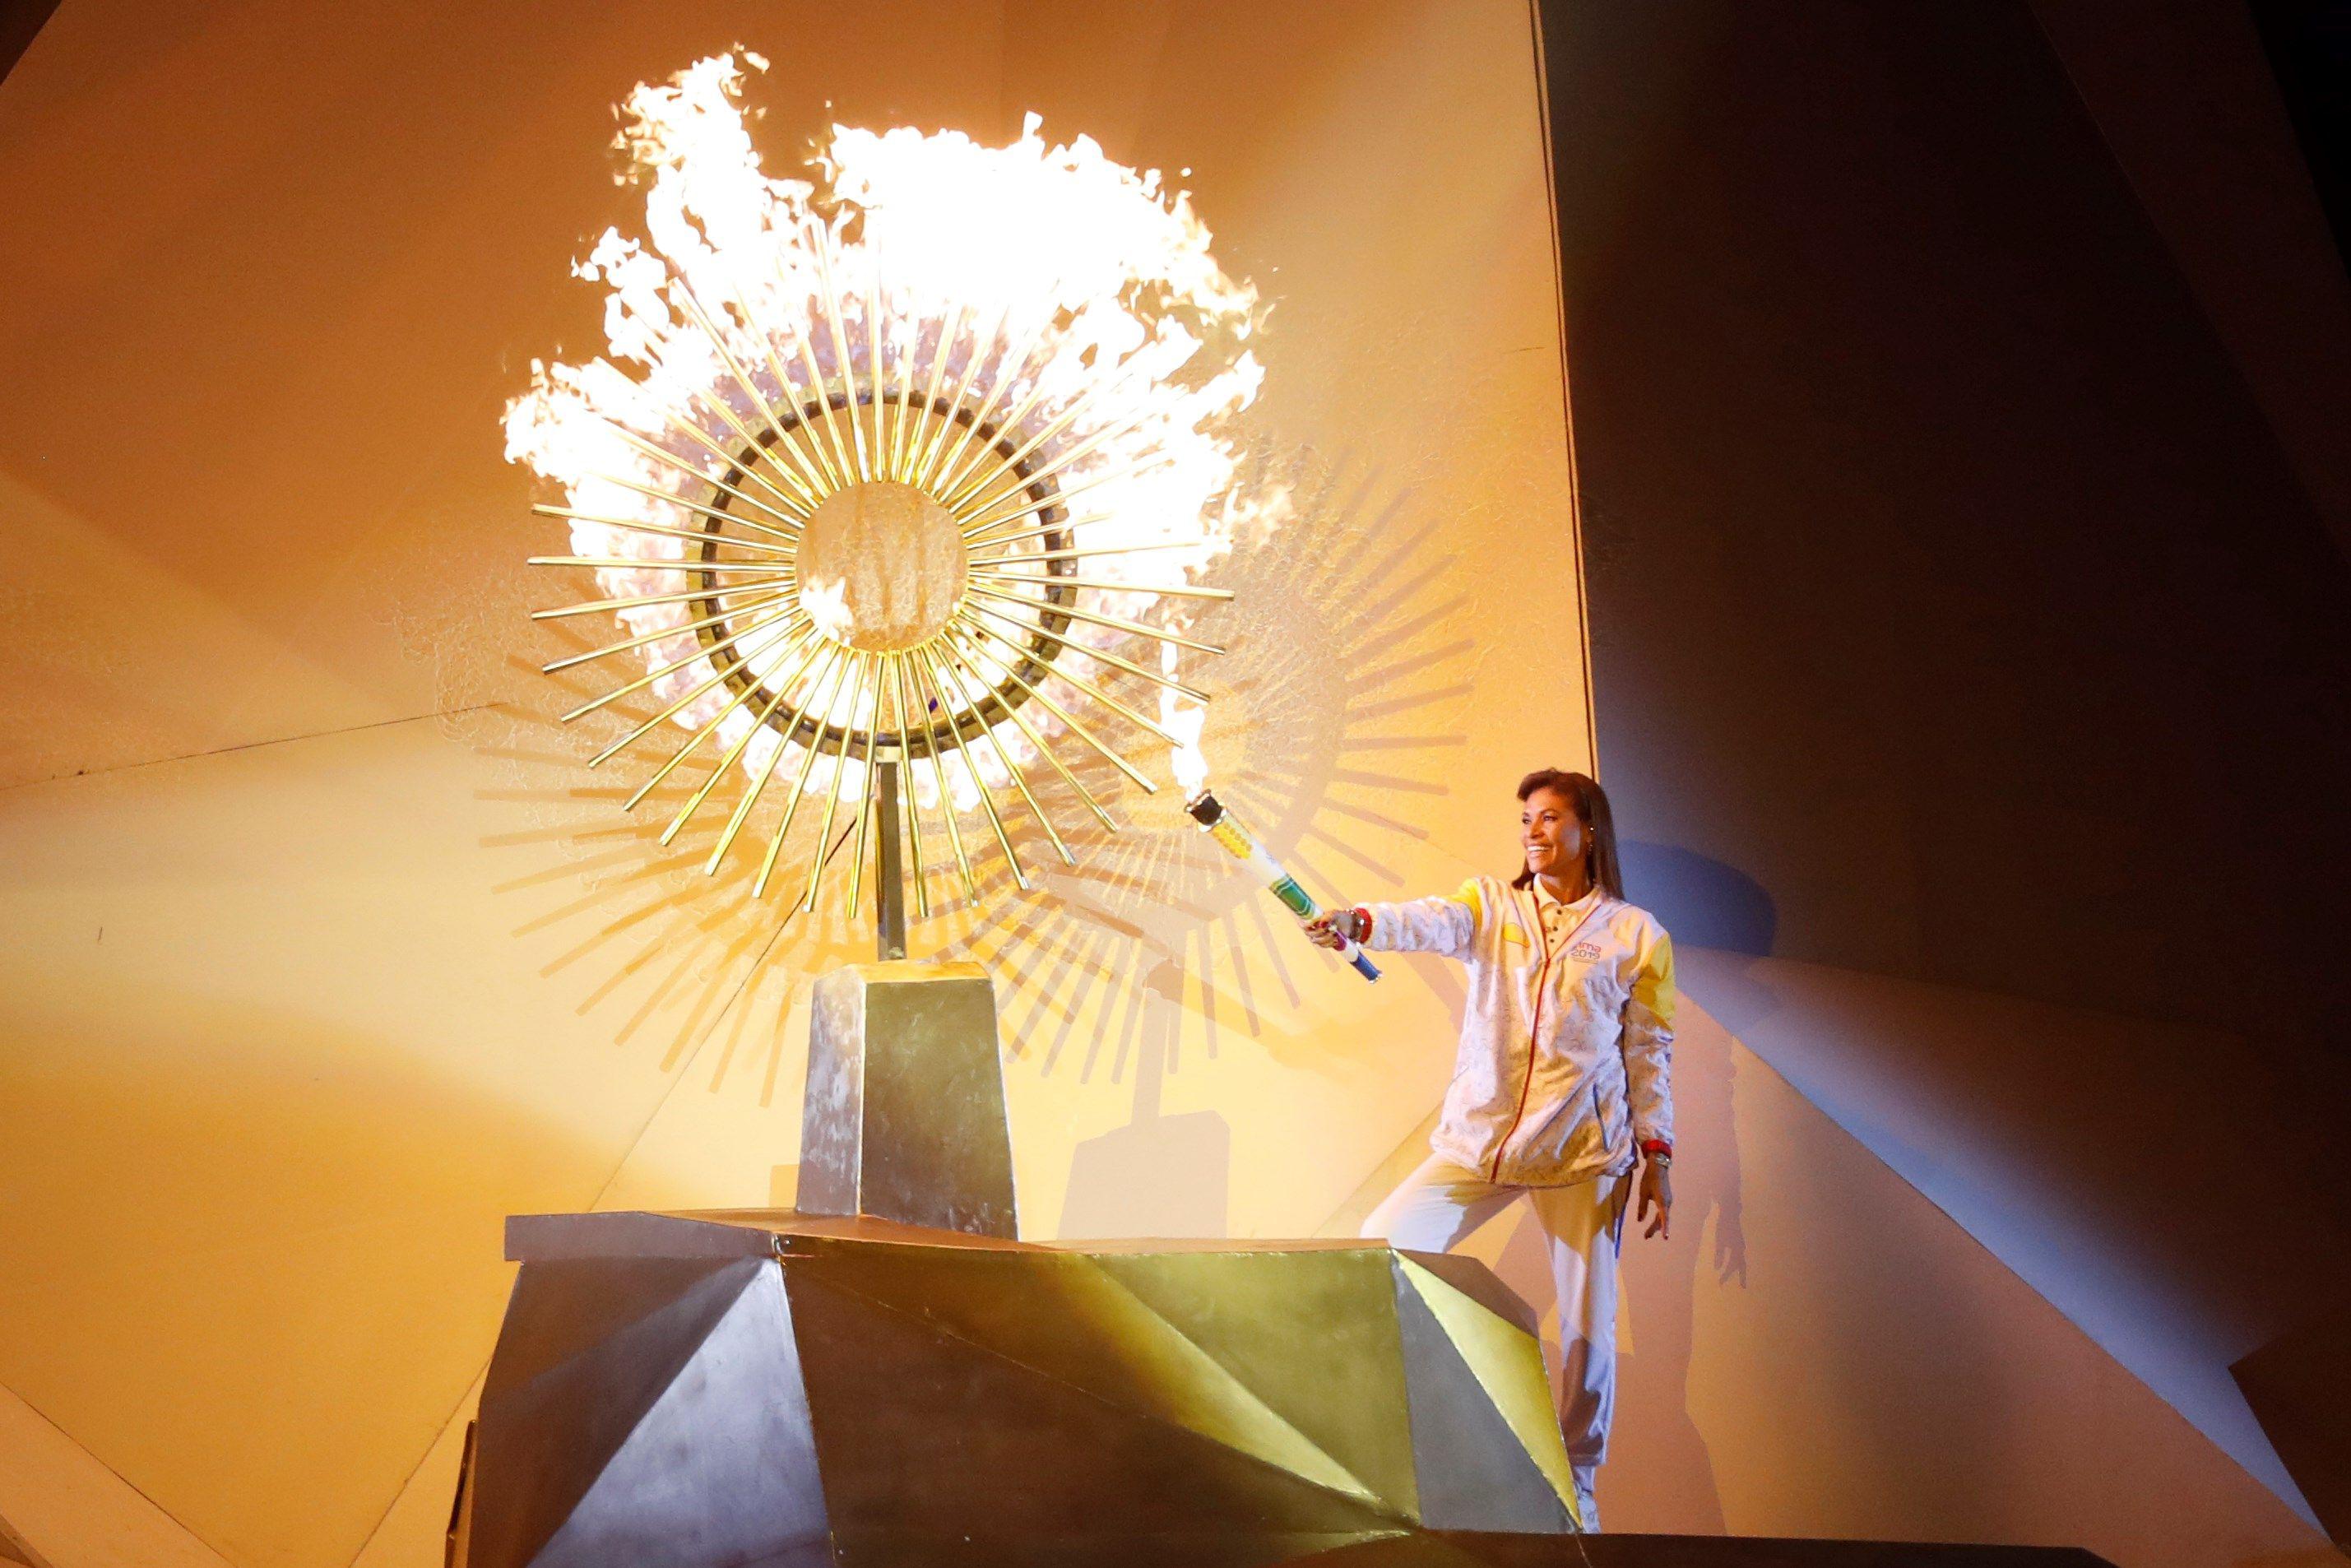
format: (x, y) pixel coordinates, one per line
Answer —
(884, 569)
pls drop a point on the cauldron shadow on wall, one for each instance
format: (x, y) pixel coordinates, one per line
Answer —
(1350, 653)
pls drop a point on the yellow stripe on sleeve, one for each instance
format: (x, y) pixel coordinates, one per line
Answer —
(1653, 988)
(1469, 893)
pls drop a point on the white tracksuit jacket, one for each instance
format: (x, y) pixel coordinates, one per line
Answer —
(1566, 1046)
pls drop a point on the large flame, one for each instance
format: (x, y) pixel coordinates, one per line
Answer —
(1045, 278)
(1183, 720)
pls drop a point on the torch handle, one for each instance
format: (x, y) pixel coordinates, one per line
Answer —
(1237, 841)
(1296, 900)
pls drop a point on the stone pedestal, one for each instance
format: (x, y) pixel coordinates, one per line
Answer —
(904, 1115)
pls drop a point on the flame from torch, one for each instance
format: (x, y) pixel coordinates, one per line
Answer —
(1237, 841)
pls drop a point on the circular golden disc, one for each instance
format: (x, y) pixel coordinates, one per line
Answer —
(882, 565)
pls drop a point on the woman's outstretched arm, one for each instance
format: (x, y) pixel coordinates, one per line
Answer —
(1446, 925)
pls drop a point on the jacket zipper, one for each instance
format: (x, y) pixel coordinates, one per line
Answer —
(1534, 1043)
(1534, 1030)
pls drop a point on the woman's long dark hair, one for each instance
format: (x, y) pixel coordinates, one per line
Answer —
(1590, 803)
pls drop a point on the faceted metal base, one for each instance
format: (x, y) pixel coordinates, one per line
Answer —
(762, 1387)
(887, 1376)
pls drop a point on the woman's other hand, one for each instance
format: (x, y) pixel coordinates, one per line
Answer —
(1334, 928)
(1657, 1192)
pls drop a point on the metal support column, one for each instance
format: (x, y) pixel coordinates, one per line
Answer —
(889, 874)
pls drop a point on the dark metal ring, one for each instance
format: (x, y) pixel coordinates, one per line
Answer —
(1036, 662)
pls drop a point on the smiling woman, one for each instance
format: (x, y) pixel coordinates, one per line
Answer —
(1563, 1083)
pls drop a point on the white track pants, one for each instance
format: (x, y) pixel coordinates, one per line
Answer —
(1436, 1207)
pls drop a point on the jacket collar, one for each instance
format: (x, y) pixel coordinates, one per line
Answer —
(1576, 909)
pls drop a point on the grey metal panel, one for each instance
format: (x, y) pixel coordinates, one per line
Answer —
(537, 1238)
(795, 1231)
(721, 1469)
(1473, 1474)
(574, 1307)
(716, 1234)
(832, 1111)
(1481, 1285)
(588, 1346)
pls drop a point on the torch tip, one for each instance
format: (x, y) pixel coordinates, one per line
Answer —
(1205, 809)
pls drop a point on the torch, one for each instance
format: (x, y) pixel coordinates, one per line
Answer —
(1235, 840)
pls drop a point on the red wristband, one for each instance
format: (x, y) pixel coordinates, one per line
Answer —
(1360, 912)
(1657, 1146)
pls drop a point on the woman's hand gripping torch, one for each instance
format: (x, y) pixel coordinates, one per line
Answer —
(1235, 840)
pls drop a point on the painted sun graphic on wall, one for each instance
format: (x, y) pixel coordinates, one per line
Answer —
(899, 478)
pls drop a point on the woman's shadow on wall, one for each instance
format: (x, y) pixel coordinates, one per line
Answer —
(1703, 902)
